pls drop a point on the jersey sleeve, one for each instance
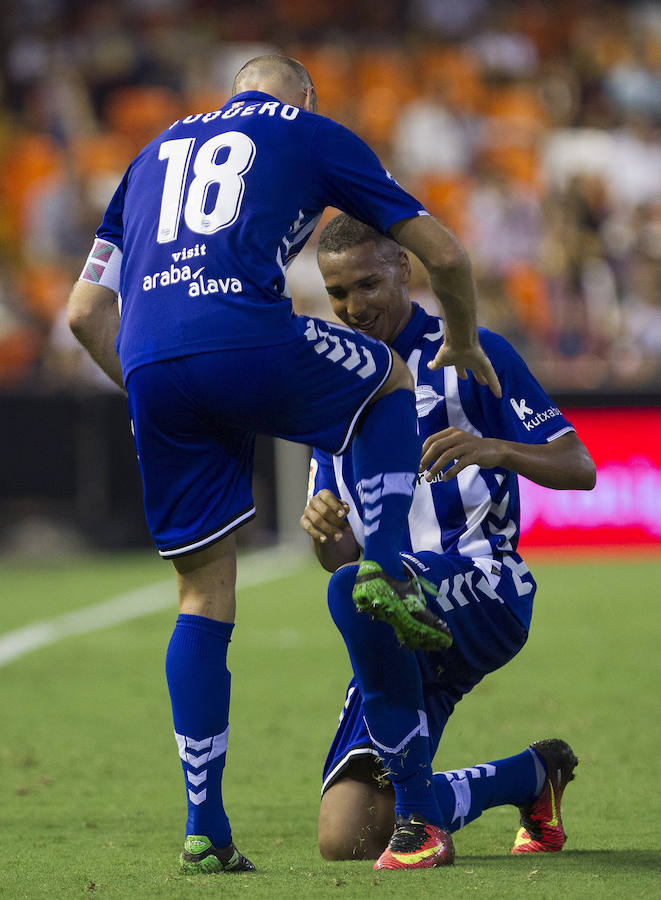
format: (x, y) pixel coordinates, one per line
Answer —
(353, 180)
(112, 226)
(525, 414)
(322, 474)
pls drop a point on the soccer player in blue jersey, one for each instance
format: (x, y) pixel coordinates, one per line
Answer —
(184, 302)
(462, 536)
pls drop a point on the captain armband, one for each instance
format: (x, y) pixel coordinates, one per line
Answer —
(103, 265)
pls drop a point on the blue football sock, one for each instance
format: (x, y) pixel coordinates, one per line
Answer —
(199, 685)
(464, 794)
(386, 468)
(389, 681)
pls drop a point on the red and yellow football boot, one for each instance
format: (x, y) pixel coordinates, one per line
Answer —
(541, 823)
(416, 844)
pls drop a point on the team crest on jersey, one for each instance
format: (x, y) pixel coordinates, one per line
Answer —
(426, 399)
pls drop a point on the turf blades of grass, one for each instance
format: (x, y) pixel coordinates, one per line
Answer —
(92, 791)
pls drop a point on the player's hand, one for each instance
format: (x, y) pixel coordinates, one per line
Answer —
(461, 448)
(324, 517)
(473, 358)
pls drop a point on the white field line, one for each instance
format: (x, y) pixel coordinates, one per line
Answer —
(253, 569)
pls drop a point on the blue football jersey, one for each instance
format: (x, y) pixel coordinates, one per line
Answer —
(211, 212)
(475, 514)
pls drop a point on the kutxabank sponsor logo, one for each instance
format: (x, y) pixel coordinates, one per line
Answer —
(523, 411)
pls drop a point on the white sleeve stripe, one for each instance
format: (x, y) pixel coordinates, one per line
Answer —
(567, 430)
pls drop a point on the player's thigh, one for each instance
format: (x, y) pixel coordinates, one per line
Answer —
(488, 613)
(196, 470)
(356, 814)
(486, 632)
(333, 374)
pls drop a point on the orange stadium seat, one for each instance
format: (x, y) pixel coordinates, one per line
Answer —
(526, 287)
(20, 347)
(519, 105)
(331, 69)
(446, 197)
(515, 121)
(454, 72)
(203, 100)
(32, 158)
(101, 154)
(139, 113)
(45, 288)
(383, 81)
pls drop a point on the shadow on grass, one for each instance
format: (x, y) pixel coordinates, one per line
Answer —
(620, 861)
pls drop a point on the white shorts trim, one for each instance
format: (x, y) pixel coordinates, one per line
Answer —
(348, 437)
(330, 779)
(210, 538)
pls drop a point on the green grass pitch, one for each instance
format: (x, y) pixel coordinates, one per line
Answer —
(92, 792)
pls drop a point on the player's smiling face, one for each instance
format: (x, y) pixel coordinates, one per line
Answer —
(366, 285)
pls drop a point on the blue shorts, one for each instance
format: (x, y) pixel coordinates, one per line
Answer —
(195, 418)
(488, 613)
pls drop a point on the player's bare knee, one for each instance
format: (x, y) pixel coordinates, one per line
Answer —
(331, 845)
(344, 844)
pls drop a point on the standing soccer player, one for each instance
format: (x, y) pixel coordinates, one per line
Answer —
(462, 536)
(183, 301)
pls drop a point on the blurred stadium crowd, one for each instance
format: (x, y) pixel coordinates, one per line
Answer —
(532, 129)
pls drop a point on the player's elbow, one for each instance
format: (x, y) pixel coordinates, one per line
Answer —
(589, 476)
(584, 473)
(78, 314)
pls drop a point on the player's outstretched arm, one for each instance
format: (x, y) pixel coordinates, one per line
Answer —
(451, 279)
(93, 317)
(333, 540)
(563, 464)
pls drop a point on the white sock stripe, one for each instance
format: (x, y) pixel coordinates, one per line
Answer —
(462, 799)
(371, 489)
(196, 780)
(486, 770)
(199, 745)
(367, 484)
(368, 497)
(371, 513)
(370, 529)
(217, 744)
(398, 482)
(197, 798)
(421, 729)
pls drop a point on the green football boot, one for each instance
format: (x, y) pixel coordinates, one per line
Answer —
(401, 603)
(200, 857)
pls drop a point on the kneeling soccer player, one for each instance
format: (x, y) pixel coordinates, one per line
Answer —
(462, 537)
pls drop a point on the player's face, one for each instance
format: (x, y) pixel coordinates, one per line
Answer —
(366, 285)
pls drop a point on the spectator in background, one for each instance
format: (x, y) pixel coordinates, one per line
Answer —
(533, 96)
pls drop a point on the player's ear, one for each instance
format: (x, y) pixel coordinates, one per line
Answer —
(310, 103)
(404, 266)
